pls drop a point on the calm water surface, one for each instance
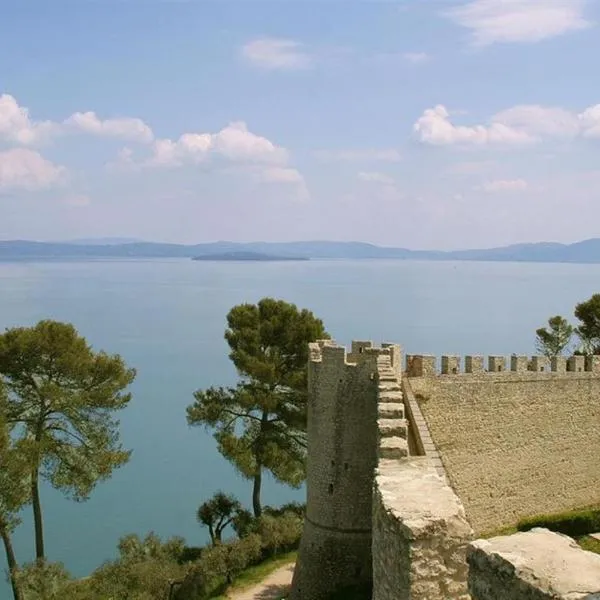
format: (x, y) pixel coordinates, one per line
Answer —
(167, 318)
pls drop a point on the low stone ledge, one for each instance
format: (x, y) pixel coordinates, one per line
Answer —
(532, 565)
(392, 428)
(391, 410)
(420, 534)
(393, 447)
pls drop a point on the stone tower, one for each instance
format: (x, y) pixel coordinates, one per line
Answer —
(342, 438)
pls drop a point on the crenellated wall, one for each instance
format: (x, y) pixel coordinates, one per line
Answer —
(515, 442)
(403, 470)
(420, 532)
(343, 445)
(427, 365)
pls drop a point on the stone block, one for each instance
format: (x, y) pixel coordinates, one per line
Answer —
(392, 428)
(533, 565)
(450, 365)
(576, 364)
(540, 363)
(474, 364)
(592, 364)
(496, 364)
(518, 363)
(558, 364)
(393, 448)
(391, 410)
(419, 365)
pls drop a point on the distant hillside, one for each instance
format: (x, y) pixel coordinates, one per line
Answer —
(587, 251)
(246, 256)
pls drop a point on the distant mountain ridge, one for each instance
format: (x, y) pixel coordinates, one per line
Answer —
(587, 251)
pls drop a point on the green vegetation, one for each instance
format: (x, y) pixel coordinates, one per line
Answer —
(57, 401)
(254, 575)
(60, 398)
(574, 523)
(261, 423)
(555, 339)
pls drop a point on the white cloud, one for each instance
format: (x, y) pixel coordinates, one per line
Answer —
(28, 170)
(281, 175)
(277, 54)
(590, 121)
(368, 154)
(519, 125)
(434, 127)
(416, 57)
(17, 126)
(504, 185)
(510, 21)
(375, 177)
(234, 143)
(126, 128)
(540, 121)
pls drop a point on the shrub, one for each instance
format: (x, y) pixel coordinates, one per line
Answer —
(573, 524)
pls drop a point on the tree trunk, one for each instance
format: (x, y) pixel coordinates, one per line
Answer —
(37, 515)
(257, 483)
(11, 560)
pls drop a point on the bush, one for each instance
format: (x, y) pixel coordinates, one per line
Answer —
(573, 524)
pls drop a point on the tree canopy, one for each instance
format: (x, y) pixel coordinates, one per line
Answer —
(217, 514)
(261, 423)
(588, 314)
(61, 396)
(553, 340)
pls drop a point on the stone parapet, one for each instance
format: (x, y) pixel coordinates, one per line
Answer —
(420, 534)
(421, 365)
(533, 565)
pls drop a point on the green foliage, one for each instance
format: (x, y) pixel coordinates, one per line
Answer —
(41, 580)
(261, 423)
(590, 544)
(61, 396)
(265, 537)
(217, 513)
(573, 523)
(588, 313)
(553, 340)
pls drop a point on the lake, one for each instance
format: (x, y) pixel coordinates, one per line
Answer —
(166, 317)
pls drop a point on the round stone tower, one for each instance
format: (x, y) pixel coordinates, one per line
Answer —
(335, 551)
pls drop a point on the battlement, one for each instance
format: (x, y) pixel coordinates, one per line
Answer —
(361, 352)
(427, 365)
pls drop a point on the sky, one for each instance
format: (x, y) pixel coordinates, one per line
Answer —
(442, 124)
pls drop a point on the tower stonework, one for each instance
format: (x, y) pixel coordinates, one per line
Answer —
(335, 551)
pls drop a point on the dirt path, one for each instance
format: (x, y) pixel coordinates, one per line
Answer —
(272, 588)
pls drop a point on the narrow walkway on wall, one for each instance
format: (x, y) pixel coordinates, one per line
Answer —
(274, 587)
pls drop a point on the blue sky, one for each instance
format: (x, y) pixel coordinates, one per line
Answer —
(424, 124)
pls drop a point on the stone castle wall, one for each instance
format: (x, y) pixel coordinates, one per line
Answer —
(335, 550)
(514, 443)
(420, 532)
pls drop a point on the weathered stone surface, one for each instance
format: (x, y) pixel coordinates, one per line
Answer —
(420, 534)
(392, 428)
(393, 447)
(516, 444)
(391, 410)
(536, 565)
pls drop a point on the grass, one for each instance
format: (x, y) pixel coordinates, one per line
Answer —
(255, 575)
(589, 543)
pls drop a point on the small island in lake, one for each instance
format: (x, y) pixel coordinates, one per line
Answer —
(247, 256)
